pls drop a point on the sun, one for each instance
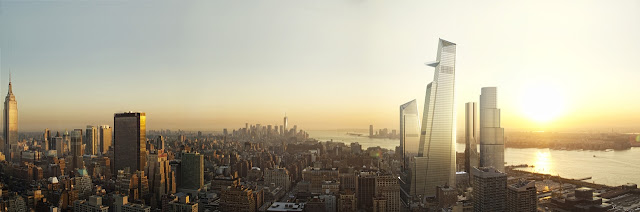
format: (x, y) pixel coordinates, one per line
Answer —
(542, 102)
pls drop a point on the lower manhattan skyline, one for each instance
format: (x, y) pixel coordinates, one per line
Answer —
(319, 106)
(548, 64)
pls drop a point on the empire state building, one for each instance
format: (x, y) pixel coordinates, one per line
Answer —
(10, 121)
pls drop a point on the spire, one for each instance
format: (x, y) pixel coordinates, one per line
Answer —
(10, 89)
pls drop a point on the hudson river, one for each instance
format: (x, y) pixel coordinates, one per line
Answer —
(605, 167)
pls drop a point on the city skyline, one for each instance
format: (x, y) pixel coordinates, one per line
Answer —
(205, 80)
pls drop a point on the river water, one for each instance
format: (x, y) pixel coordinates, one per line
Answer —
(605, 167)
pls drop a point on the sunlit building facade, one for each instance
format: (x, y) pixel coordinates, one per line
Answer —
(491, 134)
(10, 122)
(409, 130)
(130, 141)
(470, 131)
(91, 140)
(437, 139)
(105, 138)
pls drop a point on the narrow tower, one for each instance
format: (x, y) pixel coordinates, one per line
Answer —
(491, 134)
(470, 130)
(435, 164)
(10, 122)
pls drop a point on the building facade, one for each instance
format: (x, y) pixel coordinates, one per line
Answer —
(470, 130)
(491, 134)
(105, 138)
(522, 196)
(10, 122)
(130, 141)
(437, 137)
(76, 149)
(489, 189)
(409, 130)
(192, 168)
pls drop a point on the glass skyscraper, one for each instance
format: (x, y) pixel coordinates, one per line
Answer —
(470, 137)
(437, 137)
(130, 148)
(409, 130)
(491, 134)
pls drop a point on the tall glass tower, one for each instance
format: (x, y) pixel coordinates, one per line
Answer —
(491, 134)
(409, 130)
(437, 137)
(470, 137)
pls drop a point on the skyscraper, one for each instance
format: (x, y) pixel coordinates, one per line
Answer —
(91, 140)
(130, 141)
(471, 146)
(76, 149)
(409, 130)
(491, 135)
(192, 167)
(105, 138)
(489, 189)
(286, 123)
(522, 196)
(437, 139)
(10, 122)
(370, 130)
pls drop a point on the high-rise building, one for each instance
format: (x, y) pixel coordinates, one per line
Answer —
(93, 205)
(278, 177)
(409, 130)
(10, 122)
(192, 168)
(437, 139)
(366, 191)
(121, 204)
(162, 180)
(489, 189)
(182, 204)
(237, 198)
(370, 130)
(76, 149)
(130, 141)
(491, 135)
(91, 140)
(58, 145)
(47, 135)
(521, 196)
(471, 146)
(286, 122)
(388, 188)
(159, 142)
(105, 138)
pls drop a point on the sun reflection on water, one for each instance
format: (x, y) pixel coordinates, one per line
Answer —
(543, 163)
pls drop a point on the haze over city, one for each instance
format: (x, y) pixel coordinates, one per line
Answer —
(328, 65)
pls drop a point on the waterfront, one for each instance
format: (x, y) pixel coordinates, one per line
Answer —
(607, 167)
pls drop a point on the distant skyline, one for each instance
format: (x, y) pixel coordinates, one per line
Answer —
(202, 65)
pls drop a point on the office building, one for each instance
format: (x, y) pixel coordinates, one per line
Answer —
(192, 168)
(387, 187)
(159, 142)
(347, 202)
(91, 140)
(370, 130)
(182, 204)
(409, 130)
(162, 180)
(278, 177)
(522, 197)
(366, 190)
(94, 204)
(437, 138)
(76, 149)
(105, 138)
(121, 204)
(471, 146)
(10, 122)
(286, 123)
(237, 198)
(491, 135)
(129, 141)
(489, 189)
(83, 183)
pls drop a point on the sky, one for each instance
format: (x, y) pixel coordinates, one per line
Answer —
(208, 65)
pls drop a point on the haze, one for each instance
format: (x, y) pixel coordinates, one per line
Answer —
(208, 65)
